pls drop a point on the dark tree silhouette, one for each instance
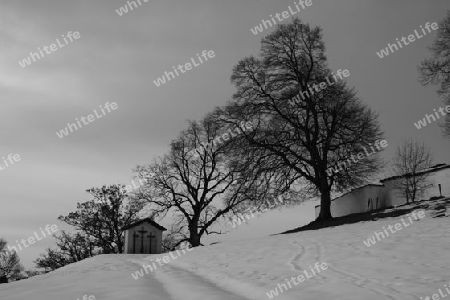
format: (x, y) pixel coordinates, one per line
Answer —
(103, 217)
(70, 248)
(10, 266)
(196, 181)
(436, 70)
(300, 139)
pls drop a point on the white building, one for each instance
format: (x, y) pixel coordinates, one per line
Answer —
(143, 237)
(376, 196)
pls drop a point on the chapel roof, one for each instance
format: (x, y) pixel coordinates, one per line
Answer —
(146, 220)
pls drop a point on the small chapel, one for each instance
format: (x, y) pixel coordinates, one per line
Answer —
(143, 237)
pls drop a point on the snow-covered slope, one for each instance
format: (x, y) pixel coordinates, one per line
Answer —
(408, 264)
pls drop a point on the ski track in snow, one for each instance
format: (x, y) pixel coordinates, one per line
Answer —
(361, 281)
(296, 263)
(346, 276)
(177, 281)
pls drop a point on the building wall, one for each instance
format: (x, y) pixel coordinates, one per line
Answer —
(149, 228)
(361, 200)
(358, 200)
(439, 177)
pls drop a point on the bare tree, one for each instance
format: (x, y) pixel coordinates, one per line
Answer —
(436, 70)
(70, 248)
(105, 215)
(51, 260)
(9, 263)
(300, 139)
(196, 182)
(409, 162)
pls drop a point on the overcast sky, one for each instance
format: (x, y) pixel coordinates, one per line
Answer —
(117, 58)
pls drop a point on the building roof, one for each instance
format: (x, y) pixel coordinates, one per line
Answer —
(434, 168)
(370, 184)
(148, 220)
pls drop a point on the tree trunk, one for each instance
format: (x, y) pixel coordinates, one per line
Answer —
(414, 191)
(325, 199)
(120, 244)
(408, 191)
(325, 207)
(194, 239)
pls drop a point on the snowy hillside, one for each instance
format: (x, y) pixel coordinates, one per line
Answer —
(408, 264)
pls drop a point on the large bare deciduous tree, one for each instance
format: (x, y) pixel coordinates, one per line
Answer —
(299, 140)
(196, 182)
